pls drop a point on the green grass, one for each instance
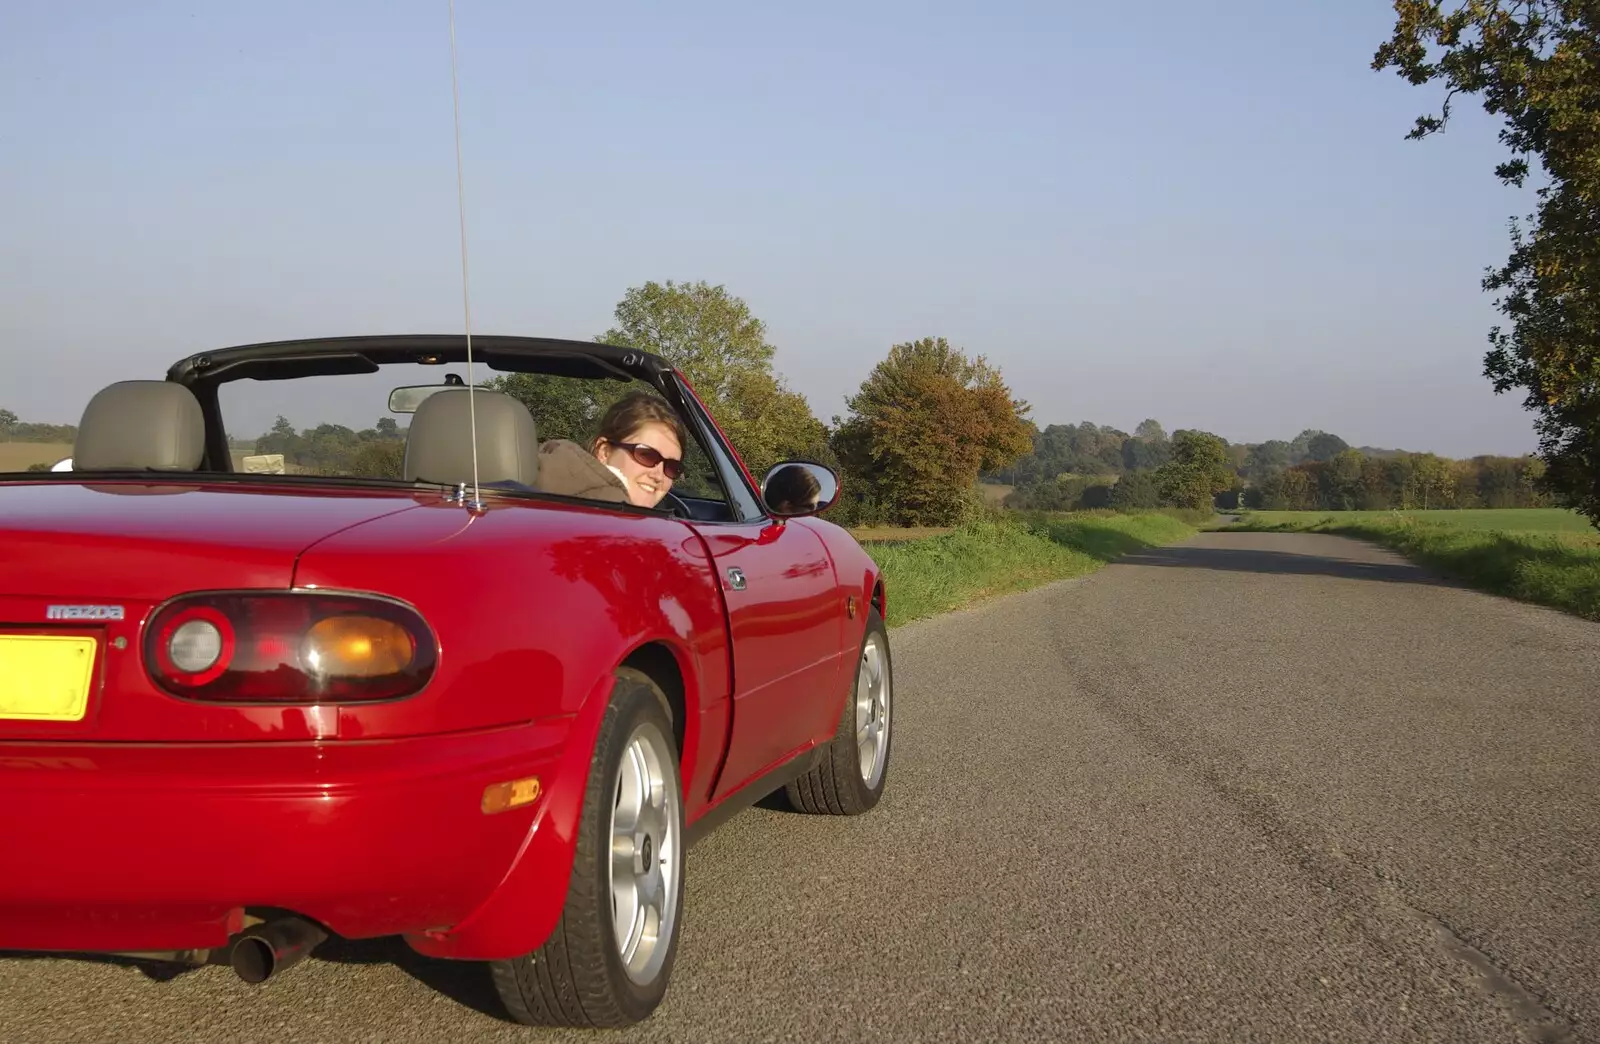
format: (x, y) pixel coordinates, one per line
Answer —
(1002, 556)
(1545, 556)
(1509, 520)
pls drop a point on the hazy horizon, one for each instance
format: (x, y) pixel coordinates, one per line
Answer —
(1117, 211)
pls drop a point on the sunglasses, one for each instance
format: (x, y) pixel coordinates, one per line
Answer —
(649, 457)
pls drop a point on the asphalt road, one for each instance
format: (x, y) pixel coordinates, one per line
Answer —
(1257, 788)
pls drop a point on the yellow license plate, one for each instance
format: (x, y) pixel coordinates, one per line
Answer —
(45, 677)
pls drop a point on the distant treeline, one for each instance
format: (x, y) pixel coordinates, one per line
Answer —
(1091, 449)
(334, 449)
(1071, 467)
(1352, 481)
(1078, 466)
(14, 430)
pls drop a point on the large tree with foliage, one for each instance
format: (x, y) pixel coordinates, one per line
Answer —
(923, 425)
(721, 347)
(1197, 471)
(1536, 64)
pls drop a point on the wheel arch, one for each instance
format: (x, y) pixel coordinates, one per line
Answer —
(526, 906)
(664, 665)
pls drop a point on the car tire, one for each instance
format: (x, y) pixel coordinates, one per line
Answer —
(846, 782)
(582, 976)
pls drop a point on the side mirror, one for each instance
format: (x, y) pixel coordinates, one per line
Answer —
(64, 464)
(798, 487)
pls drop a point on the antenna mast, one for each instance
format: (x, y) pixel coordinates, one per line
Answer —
(476, 503)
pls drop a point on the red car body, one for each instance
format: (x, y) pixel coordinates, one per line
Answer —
(150, 822)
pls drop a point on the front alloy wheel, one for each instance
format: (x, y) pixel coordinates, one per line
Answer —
(854, 766)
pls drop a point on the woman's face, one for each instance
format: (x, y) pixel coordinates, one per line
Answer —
(647, 484)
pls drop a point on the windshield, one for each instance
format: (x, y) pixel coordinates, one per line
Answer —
(343, 426)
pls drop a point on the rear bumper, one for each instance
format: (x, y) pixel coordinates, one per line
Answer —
(139, 847)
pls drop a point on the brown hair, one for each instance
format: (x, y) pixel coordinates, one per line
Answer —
(632, 412)
(791, 488)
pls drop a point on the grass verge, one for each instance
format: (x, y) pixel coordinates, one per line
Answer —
(1560, 570)
(1010, 554)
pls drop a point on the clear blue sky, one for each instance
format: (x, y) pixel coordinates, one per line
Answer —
(1204, 213)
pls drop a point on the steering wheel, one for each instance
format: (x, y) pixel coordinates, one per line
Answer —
(678, 507)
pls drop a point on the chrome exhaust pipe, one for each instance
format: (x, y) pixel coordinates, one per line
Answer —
(267, 949)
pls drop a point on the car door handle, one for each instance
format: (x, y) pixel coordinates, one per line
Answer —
(736, 578)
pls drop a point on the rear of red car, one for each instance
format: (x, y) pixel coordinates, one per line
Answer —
(189, 742)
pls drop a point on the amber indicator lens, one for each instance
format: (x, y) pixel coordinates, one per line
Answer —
(357, 646)
(502, 797)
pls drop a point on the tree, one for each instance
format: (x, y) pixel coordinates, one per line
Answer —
(1150, 430)
(1536, 63)
(1136, 491)
(8, 422)
(925, 422)
(1140, 453)
(1266, 460)
(1343, 478)
(721, 347)
(563, 407)
(767, 423)
(703, 330)
(1324, 447)
(1197, 472)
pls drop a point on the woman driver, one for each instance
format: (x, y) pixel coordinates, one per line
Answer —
(641, 441)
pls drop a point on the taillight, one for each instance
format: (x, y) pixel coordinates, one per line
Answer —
(289, 648)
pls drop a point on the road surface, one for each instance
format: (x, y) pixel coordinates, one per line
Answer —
(1255, 788)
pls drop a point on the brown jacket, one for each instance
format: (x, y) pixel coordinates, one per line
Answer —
(568, 470)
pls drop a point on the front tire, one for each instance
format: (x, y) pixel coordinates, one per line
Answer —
(850, 778)
(609, 959)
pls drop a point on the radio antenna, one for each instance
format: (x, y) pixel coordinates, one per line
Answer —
(466, 296)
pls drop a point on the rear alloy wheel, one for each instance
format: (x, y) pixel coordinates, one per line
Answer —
(610, 957)
(855, 763)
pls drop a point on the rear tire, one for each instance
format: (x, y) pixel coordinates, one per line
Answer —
(610, 957)
(855, 763)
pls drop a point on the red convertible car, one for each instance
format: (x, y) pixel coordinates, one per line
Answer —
(476, 682)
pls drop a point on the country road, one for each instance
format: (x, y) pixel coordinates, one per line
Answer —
(1260, 787)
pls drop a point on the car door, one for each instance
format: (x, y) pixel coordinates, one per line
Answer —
(786, 617)
(786, 620)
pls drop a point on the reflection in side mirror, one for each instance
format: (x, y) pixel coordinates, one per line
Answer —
(64, 464)
(797, 487)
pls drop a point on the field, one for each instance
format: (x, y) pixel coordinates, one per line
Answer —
(16, 456)
(1546, 556)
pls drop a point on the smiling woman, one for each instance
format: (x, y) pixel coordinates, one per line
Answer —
(642, 442)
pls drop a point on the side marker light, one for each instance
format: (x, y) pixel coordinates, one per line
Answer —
(502, 797)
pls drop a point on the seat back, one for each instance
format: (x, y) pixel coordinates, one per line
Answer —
(439, 443)
(140, 426)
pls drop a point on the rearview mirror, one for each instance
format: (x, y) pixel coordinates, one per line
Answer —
(408, 398)
(798, 487)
